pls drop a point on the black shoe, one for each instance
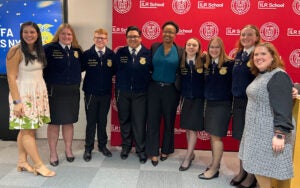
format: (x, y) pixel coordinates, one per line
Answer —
(163, 158)
(87, 156)
(143, 158)
(105, 152)
(124, 154)
(182, 168)
(54, 163)
(202, 176)
(253, 185)
(154, 163)
(235, 183)
(70, 159)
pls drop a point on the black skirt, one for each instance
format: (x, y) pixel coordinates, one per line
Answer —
(191, 117)
(238, 117)
(63, 103)
(217, 117)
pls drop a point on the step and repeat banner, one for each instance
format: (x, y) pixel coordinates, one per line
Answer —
(277, 20)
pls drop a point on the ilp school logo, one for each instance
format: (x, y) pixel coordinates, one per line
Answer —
(240, 6)
(181, 6)
(151, 30)
(296, 6)
(295, 58)
(122, 6)
(208, 30)
(269, 31)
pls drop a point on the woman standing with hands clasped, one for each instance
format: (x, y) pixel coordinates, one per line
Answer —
(266, 147)
(63, 76)
(192, 92)
(28, 99)
(218, 78)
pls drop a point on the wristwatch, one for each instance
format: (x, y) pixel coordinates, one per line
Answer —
(16, 101)
(279, 136)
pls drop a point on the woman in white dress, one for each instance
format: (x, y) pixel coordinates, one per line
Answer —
(28, 99)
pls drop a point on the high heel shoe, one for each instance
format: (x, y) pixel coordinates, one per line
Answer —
(70, 159)
(253, 185)
(24, 166)
(154, 161)
(235, 183)
(43, 171)
(182, 168)
(202, 176)
(163, 157)
(54, 163)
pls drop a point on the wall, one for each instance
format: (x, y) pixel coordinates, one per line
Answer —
(85, 17)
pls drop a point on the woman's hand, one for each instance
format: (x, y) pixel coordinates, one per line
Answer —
(19, 110)
(278, 144)
(294, 92)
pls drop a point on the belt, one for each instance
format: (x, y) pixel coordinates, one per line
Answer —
(162, 84)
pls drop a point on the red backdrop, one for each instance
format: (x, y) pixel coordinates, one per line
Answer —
(277, 20)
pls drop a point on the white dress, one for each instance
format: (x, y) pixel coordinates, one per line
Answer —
(34, 97)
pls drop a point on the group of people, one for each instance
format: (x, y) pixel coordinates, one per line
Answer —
(209, 87)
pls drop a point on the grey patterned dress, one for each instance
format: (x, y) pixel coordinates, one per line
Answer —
(256, 145)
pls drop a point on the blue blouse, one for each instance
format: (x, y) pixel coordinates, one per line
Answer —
(165, 66)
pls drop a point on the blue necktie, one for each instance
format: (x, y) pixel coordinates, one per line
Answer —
(67, 50)
(244, 56)
(214, 65)
(191, 64)
(133, 55)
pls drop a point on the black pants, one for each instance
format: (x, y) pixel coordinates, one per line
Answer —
(96, 108)
(162, 103)
(238, 117)
(132, 117)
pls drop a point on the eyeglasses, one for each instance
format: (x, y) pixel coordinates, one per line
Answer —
(132, 37)
(100, 38)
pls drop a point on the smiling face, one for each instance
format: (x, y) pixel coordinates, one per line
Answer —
(214, 49)
(30, 35)
(133, 39)
(262, 58)
(66, 36)
(248, 37)
(192, 47)
(100, 40)
(169, 32)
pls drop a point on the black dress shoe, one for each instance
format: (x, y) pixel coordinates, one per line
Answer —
(202, 176)
(182, 168)
(143, 158)
(154, 163)
(163, 158)
(54, 163)
(105, 152)
(124, 154)
(253, 185)
(70, 159)
(235, 183)
(87, 156)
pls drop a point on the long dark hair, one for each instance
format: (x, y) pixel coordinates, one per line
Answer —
(38, 46)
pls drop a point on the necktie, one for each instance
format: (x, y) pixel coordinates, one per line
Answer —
(244, 56)
(100, 54)
(67, 50)
(191, 64)
(214, 65)
(133, 55)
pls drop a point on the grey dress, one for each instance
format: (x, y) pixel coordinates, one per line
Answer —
(269, 108)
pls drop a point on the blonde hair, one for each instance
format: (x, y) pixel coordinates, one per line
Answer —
(223, 56)
(60, 29)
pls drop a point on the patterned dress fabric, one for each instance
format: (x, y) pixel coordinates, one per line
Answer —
(256, 145)
(34, 97)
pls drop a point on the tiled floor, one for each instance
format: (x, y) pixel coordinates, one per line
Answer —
(113, 172)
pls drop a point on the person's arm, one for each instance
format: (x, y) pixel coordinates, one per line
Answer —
(280, 87)
(13, 60)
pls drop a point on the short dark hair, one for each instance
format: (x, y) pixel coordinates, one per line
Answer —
(171, 23)
(133, 28)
